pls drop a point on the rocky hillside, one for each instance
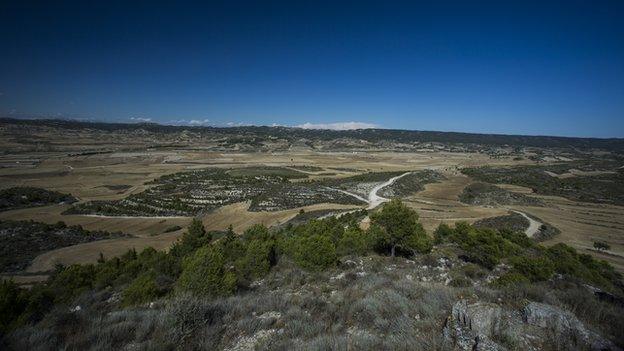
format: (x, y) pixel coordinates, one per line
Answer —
(433, 302)
(327, 285)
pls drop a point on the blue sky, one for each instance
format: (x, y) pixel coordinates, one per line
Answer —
(513, 67)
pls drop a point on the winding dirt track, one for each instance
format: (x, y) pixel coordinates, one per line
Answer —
(534, 225)
(375, 200)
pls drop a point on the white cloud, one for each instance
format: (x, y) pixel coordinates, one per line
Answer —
(338, 125)
(199, 122)
(140, 119)
(237, 124)
(189, 122)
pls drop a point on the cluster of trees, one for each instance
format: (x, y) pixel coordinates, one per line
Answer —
(22, 197)
(22, 241)
(318, 244)
(530, 262)
(143, 204)
(215, 264)
(602, 188)
(602, 245)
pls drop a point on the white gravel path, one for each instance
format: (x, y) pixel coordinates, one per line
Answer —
(534, 225)
(375, 200)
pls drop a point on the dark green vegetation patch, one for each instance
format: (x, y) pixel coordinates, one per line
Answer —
(22, 241)
(267, 189)
(305, 216)
(529, 261)
(362, 184)
(600, 188)
(512, 221)
(23, 197)
(483, 194)
(195, 192)
(517, 223)
(411, 183)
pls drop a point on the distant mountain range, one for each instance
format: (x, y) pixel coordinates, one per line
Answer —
(373, 136)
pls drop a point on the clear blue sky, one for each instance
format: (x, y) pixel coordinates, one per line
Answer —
(525, 67)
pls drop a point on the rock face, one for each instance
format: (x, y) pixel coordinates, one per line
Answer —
(471, 326)
(568, 330)
(489, 326)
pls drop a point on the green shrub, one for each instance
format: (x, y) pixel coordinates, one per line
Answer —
(485, 247)
(442, 233)
(205, 273)
(564, 258)
(400, 229)
(511, 279)
(172, 228)
(534, 269)
(487, 256)
(331, 228)
(354, 241)
(40, 300)
(460, 282)
(473, 271)
(602, 245)
(107, 272)
(518, 238)
(314, 252)
(12, 304)
(257, 232)
(21, 306)
(72, 281)
(258, 259)
(143, 289)
(159, 262)
(194, 238)
(567, 261)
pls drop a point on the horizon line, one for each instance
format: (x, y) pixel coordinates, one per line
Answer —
(230, 125)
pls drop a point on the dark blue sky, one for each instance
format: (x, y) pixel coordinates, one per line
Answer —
(549, 68)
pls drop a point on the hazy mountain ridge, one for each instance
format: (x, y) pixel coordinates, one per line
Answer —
(291, 134)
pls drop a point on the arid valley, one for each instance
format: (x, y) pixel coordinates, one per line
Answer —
(89, 174)
(494, 214)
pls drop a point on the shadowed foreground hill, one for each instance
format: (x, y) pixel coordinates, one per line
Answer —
(327, 285)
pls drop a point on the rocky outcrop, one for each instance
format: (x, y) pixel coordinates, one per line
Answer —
(567, 329)
(471, 326)
(537, 326)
